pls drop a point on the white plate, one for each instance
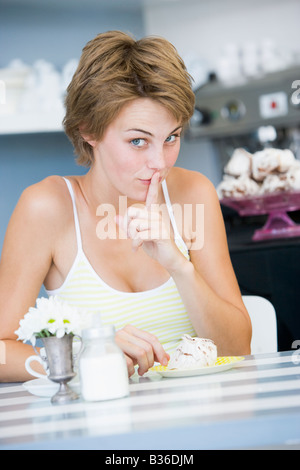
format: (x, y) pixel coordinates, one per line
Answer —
(222, 364)
(46, 388)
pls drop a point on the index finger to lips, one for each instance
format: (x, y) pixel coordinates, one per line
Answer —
(152, 195)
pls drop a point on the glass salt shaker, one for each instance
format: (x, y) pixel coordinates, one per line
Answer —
(102, 366)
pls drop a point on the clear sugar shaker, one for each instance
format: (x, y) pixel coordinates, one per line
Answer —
(102, 366)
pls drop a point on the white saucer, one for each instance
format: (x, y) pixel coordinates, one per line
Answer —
(46, 388)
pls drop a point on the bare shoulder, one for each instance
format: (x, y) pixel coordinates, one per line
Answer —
(46, 199)
(187, 186)
(41, 215)
(43, 210)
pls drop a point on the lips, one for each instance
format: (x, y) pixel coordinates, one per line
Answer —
(148, 181)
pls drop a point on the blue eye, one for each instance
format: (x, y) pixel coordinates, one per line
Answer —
(138, 142)
(171, 138)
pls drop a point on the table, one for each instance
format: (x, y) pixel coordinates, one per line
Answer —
(254, 405)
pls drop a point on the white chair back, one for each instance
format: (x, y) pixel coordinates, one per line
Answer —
(264, 324)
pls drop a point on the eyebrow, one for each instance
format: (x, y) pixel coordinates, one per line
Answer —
(149, 133)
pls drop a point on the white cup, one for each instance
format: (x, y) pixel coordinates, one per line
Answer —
(41, 357)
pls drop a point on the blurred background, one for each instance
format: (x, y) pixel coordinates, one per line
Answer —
(237, 52)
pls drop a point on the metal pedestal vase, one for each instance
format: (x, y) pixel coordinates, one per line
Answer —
(60, 366)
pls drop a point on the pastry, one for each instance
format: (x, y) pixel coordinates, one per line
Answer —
(286, 160)
(242, 186)
(193, 353)
(293, 175)
(239, 164)
(265, 172)
(268, 161)
(275, 183)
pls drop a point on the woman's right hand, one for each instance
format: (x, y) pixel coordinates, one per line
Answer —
(140, 348)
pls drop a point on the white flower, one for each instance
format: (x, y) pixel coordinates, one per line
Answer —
(51, 317)
(30, 325)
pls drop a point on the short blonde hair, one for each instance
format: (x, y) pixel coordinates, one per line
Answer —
(115, 69)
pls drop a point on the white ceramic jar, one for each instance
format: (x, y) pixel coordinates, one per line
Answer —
(102, 366)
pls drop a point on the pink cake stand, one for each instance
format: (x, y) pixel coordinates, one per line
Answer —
(276, 205)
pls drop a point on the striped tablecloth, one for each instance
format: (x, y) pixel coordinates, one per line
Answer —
(256, 404)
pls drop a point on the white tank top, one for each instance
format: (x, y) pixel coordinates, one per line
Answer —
(159, 311)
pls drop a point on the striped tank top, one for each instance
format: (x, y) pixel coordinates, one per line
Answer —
(159, 311)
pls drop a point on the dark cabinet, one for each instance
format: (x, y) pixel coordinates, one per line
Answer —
(270, 269)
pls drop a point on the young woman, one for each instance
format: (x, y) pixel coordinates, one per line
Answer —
(111, 241)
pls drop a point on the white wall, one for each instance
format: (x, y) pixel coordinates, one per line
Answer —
(204, 27)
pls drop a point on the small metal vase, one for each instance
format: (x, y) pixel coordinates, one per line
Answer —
(60, 366)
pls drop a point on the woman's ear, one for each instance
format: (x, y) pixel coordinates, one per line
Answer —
(88, 138)
(89, 141)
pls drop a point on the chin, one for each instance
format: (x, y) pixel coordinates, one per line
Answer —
(135, 196)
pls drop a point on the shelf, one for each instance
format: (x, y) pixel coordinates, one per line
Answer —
(30, 123)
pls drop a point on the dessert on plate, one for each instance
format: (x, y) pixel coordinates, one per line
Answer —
(193, 353)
